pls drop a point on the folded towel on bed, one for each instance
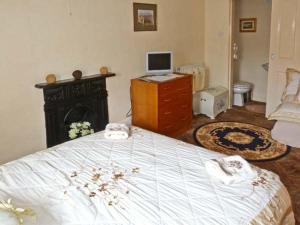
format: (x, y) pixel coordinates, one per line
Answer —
(116, 131)
(229, 170)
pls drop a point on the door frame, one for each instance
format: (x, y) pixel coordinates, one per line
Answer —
(230, 52)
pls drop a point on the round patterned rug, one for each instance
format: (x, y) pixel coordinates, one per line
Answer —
(249, 141)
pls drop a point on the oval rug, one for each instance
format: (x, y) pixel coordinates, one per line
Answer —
(252, 142)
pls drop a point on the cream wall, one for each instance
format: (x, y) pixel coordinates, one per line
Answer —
(59, 36)
(217, 39)
(253, 47)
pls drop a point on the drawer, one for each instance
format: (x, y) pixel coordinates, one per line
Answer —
(175, 115)
(185, 119)
(175, 99)
(175, 86)
(166, 99)
(168, 128)
(167, 114)
(172, 125)
(184, 97)
(185, 107)
(173, 109)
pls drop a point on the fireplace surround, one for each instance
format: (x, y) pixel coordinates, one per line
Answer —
(69, 101)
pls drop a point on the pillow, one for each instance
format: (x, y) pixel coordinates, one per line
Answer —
(292, 74)
(287, 112)
(291, 99)
(293, 86)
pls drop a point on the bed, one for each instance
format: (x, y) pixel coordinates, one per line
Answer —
(148, 179)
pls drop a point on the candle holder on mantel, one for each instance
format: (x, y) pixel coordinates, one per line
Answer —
(51, 79)
(77, 74)
(103, 70)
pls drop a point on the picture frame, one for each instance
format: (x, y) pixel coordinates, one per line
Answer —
(145, 17)
(248, 24)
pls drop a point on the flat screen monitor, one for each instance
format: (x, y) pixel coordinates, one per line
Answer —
(159, 63)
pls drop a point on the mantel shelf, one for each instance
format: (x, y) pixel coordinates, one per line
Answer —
(70, 81)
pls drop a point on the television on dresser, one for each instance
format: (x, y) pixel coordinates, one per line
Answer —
(159, 63)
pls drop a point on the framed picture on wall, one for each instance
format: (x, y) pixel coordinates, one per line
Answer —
(248, 24)
(145, 17)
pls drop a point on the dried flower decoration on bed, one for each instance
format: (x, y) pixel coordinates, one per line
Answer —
(263, 180)
(80, 129)
(107, 184)
(18, 213)
(235, 164)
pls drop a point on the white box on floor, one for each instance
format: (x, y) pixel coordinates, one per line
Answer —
(213, 101)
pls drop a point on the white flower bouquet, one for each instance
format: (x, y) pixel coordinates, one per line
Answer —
(80, 129)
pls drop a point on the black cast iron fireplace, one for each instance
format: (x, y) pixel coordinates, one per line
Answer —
(69, 101)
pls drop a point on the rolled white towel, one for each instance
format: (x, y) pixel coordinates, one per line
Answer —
(229, 170)
(116, 131)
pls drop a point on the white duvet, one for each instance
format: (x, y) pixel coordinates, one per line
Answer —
(147, 179)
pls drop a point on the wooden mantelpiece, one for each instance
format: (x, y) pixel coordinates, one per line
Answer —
(68, 81)
(69, 101)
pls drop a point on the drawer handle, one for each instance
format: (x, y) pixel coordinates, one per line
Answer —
(203, 99)
(167, 100)
(167, 113)
(183, 95)
(181, 89)
(166, 128)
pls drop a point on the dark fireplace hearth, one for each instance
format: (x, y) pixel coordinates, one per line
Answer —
(79, 113)
(70, 101)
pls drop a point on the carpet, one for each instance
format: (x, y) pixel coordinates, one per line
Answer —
(252, 142)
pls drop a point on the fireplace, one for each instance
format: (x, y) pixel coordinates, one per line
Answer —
(69, 101)
(79, 113)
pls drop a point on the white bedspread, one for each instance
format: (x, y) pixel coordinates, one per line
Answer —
(163, 182)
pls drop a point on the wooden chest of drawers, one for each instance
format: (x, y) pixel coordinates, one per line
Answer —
(162, 107)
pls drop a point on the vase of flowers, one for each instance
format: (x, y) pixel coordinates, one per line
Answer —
(80, 129)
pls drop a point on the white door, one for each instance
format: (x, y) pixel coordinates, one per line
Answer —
(284, 48)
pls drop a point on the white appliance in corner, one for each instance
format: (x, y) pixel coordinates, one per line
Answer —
(199, 83)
